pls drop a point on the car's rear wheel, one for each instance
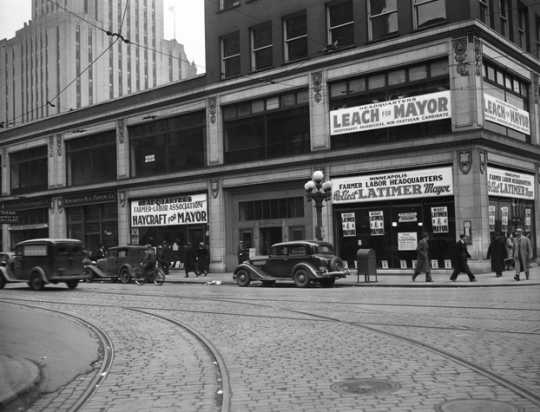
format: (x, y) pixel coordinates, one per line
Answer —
(328, 282)
(124, 277)
(243, 278)
(36, 282)
(301, 278)
(89, 274)
(2, 281)
(72, 284)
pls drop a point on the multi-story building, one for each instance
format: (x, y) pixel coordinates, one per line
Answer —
(422, 113)
(46, 68)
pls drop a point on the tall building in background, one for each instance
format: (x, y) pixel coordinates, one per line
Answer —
(46, 68)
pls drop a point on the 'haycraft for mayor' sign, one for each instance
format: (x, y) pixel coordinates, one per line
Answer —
(169, 211)
(401, 185)
(506, 114)
(399, 112)
(506, 183)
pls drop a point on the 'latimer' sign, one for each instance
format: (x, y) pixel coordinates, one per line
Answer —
(169, 211)
(506, 183)
(506, 114)
(434, 182)
(391, 113)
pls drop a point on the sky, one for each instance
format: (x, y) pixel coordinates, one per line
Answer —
(184, 20)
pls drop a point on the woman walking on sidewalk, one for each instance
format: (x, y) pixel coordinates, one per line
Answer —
(497, 253)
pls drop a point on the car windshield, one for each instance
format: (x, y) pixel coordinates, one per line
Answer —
(325, 249)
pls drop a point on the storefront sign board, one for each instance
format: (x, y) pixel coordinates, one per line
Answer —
(506, 183)
(169, 211)
(506, 114)
(433, 182)
(408, 110)
(349, 224)
(407, 241)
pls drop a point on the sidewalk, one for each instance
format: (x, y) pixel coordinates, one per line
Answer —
(385, 278)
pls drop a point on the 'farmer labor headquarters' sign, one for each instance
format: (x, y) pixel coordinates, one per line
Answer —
(506, 183)
(399, 112)
(169, 211)
(506, 114)
(434, 182)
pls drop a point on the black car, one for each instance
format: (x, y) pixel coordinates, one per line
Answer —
(303, 261)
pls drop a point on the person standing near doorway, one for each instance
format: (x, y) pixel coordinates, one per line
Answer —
(189, 259)
(460, 263)
(422, 259)
(497, 253)
(522, 254)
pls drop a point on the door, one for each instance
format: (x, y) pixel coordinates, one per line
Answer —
(269, 236)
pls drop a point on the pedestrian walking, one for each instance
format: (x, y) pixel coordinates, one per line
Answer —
(422, 258)
(189, 259)
(509, 261)
(460, 261)
(203, 260)
(497, 253)
(522, 253)
(164, 256)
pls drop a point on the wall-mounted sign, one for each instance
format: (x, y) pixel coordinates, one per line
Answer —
(506, 183)
(348, 224)
(391, 113)
(439, 219)
(81, 199)
(169, 211)
(9, 216)
(434, 182)
(376, 222)
(407, 241)
(149, 158)
(503, 113)
(406, 217)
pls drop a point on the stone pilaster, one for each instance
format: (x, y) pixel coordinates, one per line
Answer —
(5, 174)
(214, 132)
(122, 150)
(319, 112)
(216, 225)
(124, 230)
(537, 212)
(57, 218)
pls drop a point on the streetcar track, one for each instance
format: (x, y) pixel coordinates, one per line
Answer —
(107, 349)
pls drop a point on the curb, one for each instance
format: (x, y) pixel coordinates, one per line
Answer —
(20, 377)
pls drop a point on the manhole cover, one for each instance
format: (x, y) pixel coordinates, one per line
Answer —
(476, 405)
(363, 386)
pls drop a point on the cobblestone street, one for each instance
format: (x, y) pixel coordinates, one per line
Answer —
(192, 347)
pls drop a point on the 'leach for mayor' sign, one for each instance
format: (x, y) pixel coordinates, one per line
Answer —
(506, 114)
(506, 183)
(169, 211)
(432, 182)
(399, 112)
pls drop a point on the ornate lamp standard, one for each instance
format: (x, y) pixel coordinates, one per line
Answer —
(318, 191)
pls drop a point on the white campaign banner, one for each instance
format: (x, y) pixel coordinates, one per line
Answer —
(506, 183)
(434, 182)
(391, 113)
(506, 114)
(169, 211)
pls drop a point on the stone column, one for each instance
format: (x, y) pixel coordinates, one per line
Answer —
(319, 112)
(122, 150)
(216, 225)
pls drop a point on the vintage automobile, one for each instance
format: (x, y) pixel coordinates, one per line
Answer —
(122, 263)
(42, 261)
(305, 262)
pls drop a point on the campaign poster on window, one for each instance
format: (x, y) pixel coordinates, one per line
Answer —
(504, 219)
(528, 219)
(349, 225)
(407, 241)
(491, 213)
(376, 222)
(439, 219)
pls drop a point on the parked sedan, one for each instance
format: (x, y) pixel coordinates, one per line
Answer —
(121, 263)
(304, 262)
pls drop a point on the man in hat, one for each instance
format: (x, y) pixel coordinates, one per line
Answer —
(522, 253)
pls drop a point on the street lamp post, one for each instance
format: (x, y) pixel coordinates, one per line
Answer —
(318, 191)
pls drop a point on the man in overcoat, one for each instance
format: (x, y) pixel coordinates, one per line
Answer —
(522, 253)
(460, 263)
(497, 253)
(422, 258)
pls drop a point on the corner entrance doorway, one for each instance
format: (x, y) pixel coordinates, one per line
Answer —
(269, 236)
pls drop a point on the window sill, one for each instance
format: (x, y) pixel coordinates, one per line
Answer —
(219, 11)
(431, 25)
(383, 38)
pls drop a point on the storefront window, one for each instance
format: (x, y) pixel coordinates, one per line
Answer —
(168, 145)
(29, 170)
(417, 80)
(280, 129)
(94, 224)
(271, 209)
(91, 159)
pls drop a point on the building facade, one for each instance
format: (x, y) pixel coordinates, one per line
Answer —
(46, 68)
(423, 116)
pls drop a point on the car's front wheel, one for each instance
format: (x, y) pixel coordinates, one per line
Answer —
(36, 282)
(124, 277)
(243, 278)
(301, 278)
(72, 284)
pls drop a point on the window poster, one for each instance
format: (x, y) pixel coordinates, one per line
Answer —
(376, 222)
(407, 241)
(528, 219)
(491, 212)
(504, 218)
(348, 224)
(439, 219)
